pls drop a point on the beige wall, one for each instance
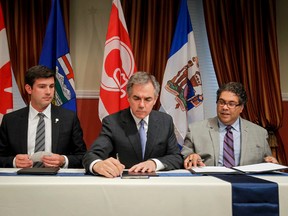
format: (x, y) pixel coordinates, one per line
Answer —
(88, 27)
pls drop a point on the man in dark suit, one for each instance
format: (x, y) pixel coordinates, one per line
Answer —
(63, 133)
(119, 135)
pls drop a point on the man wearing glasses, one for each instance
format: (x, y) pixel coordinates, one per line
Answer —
(227, 139)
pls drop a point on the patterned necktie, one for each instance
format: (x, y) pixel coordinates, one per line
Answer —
(40, 137)
(228, 148)
(143, 137)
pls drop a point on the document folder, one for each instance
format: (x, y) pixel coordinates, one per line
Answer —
(38, 171)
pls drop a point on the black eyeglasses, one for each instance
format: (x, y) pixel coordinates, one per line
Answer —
(230, 104)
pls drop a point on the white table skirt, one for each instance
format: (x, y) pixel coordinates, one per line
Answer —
(92, 195)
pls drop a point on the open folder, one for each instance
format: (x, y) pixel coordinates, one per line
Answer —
(260, 168)
(254, 168)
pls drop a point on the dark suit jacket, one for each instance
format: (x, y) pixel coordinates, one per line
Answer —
(67, 136)
(120, 135)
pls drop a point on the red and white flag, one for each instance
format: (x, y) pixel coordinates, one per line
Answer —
(6, 97)
(10, 97)
(118, 64)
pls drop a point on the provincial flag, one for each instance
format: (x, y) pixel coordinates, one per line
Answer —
(181, 93)
(55, 55)
(6, 96)
(118, 64)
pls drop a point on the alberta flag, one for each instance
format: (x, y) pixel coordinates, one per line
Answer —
(55, 55)
(118, 64)
(181, 93)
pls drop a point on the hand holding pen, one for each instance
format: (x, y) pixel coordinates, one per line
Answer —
(193, 160)
(109, 168)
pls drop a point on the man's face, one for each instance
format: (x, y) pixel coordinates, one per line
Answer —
(228, 115)
(142, 99)
(41, 93)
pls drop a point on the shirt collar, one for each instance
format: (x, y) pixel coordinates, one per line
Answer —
(137, 120)
(235, 125)
(33, 112)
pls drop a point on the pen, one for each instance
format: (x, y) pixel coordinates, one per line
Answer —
(117, 157)
(197, 160)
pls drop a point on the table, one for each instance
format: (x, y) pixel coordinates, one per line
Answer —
(94, 195)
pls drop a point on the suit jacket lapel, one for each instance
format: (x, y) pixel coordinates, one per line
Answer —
(153, 130)
(55, 127)
(243, 139)
(214, 133)
(23, 130)
(131, 131)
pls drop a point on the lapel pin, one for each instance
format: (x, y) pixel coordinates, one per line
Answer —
(56, 120)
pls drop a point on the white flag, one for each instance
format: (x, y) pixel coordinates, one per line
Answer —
(181, 94)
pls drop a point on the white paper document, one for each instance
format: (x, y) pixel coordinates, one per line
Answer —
(9, 170)
(76, 171)
(260, 167)
(177, 171)
(212, 170)
(36, 157)
(254, 168)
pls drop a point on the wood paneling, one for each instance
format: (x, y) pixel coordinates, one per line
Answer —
(88, 115)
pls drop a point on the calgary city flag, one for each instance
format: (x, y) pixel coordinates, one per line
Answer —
(55, 55)
(118, 64)
(181, 93)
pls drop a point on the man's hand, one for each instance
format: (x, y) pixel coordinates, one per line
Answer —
(23, 161)
(271, 159)
(54, 160)
(146, 166)
(193, 160)
(110, 167)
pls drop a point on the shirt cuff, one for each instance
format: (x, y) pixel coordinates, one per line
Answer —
(92, 164)
(159, 164)
(14, 163)
(66, 162)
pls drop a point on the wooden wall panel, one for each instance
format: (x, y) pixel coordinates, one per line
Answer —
(283, 131)
(88, 115)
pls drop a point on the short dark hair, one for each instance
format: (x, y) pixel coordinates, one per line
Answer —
(235, 87)
(143, 78)
(36, 72)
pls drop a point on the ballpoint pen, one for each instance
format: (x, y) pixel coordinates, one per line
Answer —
(198, 160)
(117, 157)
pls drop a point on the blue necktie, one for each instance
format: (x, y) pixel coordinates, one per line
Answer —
(143, 137)
(228, 148)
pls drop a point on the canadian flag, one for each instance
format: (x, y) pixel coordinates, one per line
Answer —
(6, 96)
(118, 64)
